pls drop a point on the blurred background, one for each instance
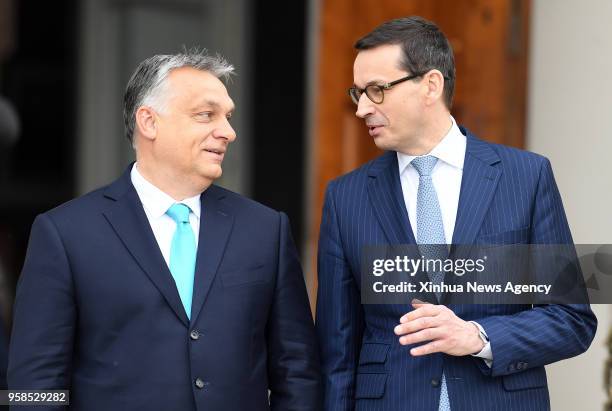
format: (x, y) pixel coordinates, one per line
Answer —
(531, 74)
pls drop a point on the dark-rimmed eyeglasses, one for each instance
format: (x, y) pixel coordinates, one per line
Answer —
(376, 92)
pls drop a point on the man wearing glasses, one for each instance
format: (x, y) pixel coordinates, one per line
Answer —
(436, 184)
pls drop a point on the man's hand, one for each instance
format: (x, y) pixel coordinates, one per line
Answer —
(441, 328)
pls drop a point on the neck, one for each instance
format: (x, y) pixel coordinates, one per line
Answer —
(429, 136)
(176, 186)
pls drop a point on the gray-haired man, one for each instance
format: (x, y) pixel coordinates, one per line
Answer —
(163, 291)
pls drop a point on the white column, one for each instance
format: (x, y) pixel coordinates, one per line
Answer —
(570, 104)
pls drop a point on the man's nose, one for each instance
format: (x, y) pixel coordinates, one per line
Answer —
(226, 131)
(365, 106)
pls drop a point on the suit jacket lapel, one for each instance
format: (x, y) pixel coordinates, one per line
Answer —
(216, 224)
(127, 217)
(387, 199)
(385, 194)
(478, 185)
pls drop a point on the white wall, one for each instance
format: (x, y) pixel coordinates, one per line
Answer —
(569, 121)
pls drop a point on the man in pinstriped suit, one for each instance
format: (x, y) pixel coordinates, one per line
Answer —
(436, 183)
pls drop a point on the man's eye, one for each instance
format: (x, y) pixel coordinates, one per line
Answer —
(205, 115)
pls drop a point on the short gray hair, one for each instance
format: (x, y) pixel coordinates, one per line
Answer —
(147, 84)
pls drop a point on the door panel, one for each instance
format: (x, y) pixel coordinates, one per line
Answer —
(489, 39)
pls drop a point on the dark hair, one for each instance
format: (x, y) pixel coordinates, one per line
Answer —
(424, 47)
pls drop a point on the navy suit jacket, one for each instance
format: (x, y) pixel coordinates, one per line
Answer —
(507, 196)
(97, 310)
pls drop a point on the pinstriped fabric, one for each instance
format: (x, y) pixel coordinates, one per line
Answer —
(507, 196)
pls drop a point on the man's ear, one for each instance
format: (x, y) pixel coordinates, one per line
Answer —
(434, 81)
(146, 122)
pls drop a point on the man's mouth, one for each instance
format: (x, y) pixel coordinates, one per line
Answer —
(214, 151)
(374, 129)
(215, 154)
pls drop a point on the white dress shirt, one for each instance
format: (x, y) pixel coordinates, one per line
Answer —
(155, 203)
(446, 177)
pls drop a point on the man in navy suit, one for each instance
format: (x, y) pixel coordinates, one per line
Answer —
(436, 184)
(163, 291)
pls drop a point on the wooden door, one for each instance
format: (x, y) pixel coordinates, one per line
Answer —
(489, 38)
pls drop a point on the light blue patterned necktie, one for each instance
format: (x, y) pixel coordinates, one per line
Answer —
(183, 254)
(430, 233)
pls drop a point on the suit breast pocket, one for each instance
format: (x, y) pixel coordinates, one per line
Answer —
(507, 237)
(245, 276)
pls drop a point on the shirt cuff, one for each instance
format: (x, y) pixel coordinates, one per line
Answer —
(486, 354)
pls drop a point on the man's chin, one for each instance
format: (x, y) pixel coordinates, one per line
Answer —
(384, 145)
(213, 172)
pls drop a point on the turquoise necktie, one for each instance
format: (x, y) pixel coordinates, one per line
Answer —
(183, 254)
(430, 235)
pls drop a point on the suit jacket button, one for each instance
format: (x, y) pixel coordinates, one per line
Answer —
(199, 383)
(511, 367)
(194, 335)
(435, 382)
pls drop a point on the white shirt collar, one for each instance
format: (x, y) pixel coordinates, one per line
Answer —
(451, 149)
(155, 201)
